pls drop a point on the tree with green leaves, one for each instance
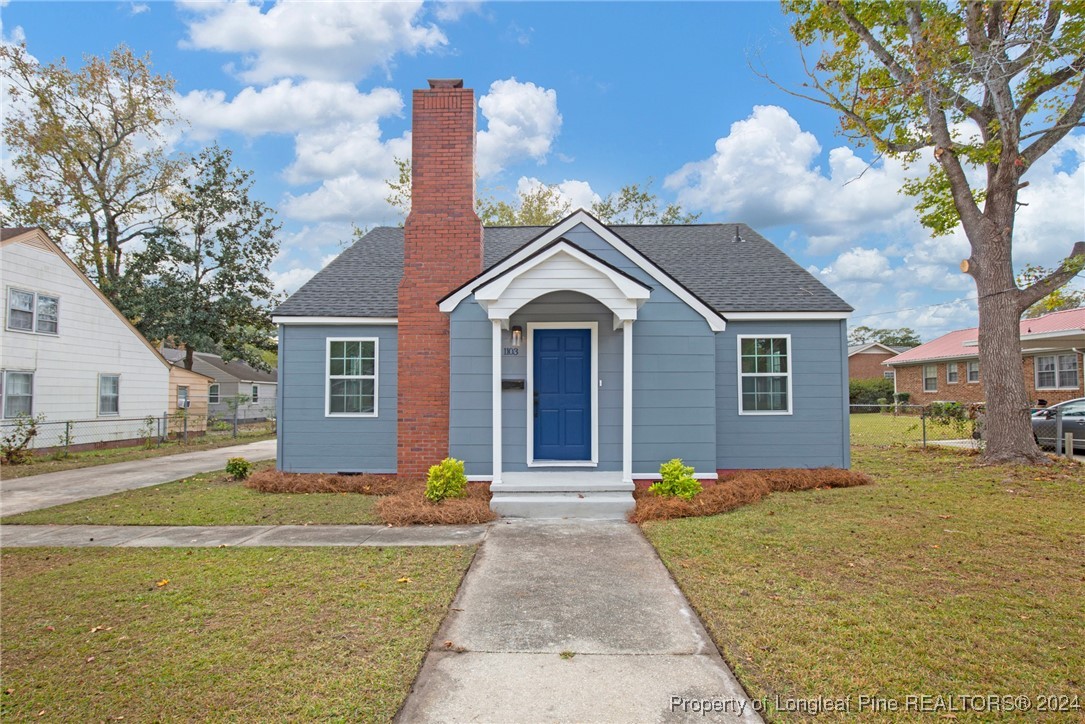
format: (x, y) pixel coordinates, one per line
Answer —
(901, 337)
(977, 92)
(87, 153)
(202, 280)
(1061, 299)
(545, 205)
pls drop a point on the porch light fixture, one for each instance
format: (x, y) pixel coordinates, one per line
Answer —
(517, 333)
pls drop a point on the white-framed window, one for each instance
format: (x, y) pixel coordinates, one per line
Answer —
(930, 378)
(255, 393)
(182, 397)
(16, 393)
(973, 371)
(109, 394)
(213, 393)
(351, 377)
(33, 312)
(889, 375)
(764, 374)
(1056, 372)
(952, 375)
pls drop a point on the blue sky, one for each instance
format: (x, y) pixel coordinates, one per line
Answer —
(314, 98)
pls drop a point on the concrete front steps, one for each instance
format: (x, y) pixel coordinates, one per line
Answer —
(562, 494)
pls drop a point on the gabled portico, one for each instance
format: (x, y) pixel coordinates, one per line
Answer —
(562, 266)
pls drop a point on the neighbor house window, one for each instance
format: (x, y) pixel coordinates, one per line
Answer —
(1056, 372)
(889, 375)
(213, 394)
(973, 371)
(352, 377)
(182, 397)
(109, 394)
(952, 377)
(33, 312)
(255, 393)
(930, 378)
(16, 393)
(764, 375)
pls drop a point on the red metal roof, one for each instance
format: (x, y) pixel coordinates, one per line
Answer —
(962, 343)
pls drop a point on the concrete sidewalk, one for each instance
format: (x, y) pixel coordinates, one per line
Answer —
(183, 536)
(43, 491)
(572, 621)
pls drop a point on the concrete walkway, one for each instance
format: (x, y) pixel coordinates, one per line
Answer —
(43, 491)
(572, 621)
(183, 536)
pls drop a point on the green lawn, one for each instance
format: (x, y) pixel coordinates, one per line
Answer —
(945, 577)
(89, 458)
(207, 499)
(884, 429)
(263, 634)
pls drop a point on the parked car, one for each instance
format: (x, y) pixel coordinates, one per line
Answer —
(1045, 423)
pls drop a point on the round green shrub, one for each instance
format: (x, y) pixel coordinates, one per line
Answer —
(446, 480)
(677, 482)
(239, 468)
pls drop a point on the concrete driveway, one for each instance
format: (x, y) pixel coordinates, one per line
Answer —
(44, 491)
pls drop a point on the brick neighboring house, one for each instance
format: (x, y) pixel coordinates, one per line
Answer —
(867, 361)
(948, 368)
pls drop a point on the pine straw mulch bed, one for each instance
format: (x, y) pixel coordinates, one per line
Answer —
(402, 502)
(743, 488)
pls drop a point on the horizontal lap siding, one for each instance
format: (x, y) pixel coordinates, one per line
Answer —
(816, 433)
(309, 441)
(470, 431)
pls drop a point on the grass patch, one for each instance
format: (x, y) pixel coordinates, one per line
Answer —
(946, 577)
(886, 429)
(263, 634)
(89, 458)
(207, 499)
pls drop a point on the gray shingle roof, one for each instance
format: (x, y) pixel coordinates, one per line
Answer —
(751, 275)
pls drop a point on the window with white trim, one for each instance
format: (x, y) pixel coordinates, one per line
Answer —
(213, 393)
(952, 375)
(109, 394)
(930, 378)
(973, 369)
(33, 312)
(182, 397)
(16, 393)
(352, 377)
(889, 375)
(255, 393)
(1056, 372)
(764, 374)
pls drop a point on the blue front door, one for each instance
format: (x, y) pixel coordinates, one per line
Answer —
(562, 382)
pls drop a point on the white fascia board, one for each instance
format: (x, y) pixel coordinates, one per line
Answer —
(631, 288)
(782, 316)
(715, 321)
(299, 321)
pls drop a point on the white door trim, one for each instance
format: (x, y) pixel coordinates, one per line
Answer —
(593, 379)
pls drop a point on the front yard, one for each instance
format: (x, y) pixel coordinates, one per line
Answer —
(207, 499)
(263, 634)
(943, 577)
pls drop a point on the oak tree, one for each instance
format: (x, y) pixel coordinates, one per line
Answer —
(980, 91)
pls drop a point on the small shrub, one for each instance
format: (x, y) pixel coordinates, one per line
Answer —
(677, 482)
(15, 446)
(239, 468)
(446, 480)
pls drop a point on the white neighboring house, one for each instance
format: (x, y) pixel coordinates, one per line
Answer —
(229, 381)
(68, 353)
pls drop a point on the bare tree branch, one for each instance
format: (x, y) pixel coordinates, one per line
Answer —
(1070, 268)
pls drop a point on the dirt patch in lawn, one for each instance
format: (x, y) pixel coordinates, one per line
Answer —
(743, 488)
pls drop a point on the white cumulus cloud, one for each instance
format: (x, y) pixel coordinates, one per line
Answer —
(522, 121)
(579, 194)
(318, 40)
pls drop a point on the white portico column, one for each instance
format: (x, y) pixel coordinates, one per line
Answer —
(627, 401)
(497, 401)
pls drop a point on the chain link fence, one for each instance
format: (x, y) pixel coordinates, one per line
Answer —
(946, 424)
(150, 431)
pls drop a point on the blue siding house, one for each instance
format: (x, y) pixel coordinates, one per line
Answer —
(562, 364)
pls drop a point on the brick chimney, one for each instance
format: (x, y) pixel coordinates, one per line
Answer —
(442, 248)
